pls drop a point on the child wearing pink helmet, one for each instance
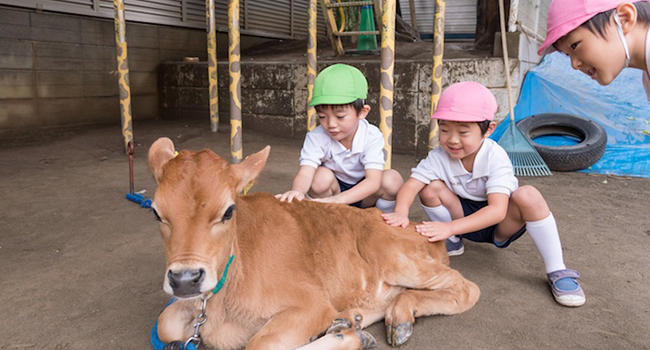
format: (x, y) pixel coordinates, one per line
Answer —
(468, 189)
(601, 36)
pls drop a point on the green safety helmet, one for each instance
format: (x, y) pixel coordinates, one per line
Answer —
(339, 84)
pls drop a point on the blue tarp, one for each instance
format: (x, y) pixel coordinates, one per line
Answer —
(621, 108)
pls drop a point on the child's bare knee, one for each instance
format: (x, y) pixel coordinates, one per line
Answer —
(433, 191)
(320, 187)
(528, 197)
(391, 182)
(323, 181)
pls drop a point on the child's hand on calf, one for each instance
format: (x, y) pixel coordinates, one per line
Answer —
(435, 230)
(396, 219)
(290, 195)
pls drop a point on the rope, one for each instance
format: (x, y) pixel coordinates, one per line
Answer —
(223, 278)
(157, 343)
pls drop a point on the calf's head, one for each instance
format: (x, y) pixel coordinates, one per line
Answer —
(195, 204)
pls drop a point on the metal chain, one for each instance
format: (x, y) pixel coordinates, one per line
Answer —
(203, 317)
(200, 320)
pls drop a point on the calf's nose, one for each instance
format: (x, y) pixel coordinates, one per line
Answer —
(186, 283)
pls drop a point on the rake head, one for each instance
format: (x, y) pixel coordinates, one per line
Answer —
(524, 157)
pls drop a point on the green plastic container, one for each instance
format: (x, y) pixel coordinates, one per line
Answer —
(367, 23)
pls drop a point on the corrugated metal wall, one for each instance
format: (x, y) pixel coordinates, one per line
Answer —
(267, 18)
(460, 15)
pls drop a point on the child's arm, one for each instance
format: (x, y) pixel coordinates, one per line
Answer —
(405, 198)
(364, 189)
(300, 186)
(492, 214)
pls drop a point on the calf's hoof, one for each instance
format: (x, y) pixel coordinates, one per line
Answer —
(339, 325)
(367, 340)
(397, 336)
(175, 345)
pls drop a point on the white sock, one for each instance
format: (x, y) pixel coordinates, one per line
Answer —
(440, 213)
(385, 205)
(547, 239)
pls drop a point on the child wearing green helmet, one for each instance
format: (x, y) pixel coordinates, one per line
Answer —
(342, 160)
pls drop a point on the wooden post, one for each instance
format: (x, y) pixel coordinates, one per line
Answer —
(436, 75)
(312, 66)
(234, 71)
(414, 20)
(212, 65)
(386, 88)
(123, 74)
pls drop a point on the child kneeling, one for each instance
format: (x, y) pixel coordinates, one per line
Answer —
(342, 160)
(469, 191)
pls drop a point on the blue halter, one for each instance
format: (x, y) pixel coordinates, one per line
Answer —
(157, 343)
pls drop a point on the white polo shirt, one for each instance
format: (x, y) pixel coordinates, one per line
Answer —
(348, 165)
(493, 172)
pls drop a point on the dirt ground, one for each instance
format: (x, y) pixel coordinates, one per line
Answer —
(82, 268)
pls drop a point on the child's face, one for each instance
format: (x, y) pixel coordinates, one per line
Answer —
(462, 140)
(600, 58)
(340, 122)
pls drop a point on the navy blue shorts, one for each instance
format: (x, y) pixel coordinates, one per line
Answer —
(344, 186)
(485, 235)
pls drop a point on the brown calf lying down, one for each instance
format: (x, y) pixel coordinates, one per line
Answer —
(298, 267)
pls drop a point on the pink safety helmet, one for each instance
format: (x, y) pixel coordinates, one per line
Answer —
(466, 102)
(566, 15)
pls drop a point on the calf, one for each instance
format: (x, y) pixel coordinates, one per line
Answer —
(298, 268)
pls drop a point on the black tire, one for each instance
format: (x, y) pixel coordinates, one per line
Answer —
(566, 158)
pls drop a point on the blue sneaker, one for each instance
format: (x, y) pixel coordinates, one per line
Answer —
(565, 287)
(454, 249)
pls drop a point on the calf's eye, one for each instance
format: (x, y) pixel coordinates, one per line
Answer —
(228, 214)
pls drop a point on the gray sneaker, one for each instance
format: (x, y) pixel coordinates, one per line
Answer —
(454, 249)
(565, 287)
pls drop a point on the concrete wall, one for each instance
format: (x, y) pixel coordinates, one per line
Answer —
(274, 94)
(59, 69)
(531, 14)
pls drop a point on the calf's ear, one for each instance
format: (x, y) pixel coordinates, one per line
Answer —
(250, 168)
(161, 152)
